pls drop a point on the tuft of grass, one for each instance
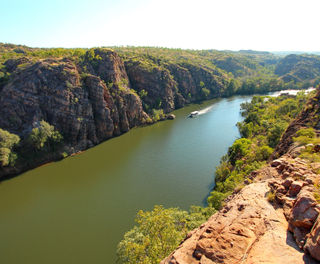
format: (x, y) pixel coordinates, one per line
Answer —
(271, 196)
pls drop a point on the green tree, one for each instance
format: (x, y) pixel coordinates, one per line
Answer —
(7, 142)
(239, 149)
(158, 233)
(263, 153)
(44, 135)
(275, 133)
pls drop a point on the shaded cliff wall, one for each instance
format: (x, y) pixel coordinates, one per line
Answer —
(96, 96)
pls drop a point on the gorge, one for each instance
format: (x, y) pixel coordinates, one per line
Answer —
(81, 206)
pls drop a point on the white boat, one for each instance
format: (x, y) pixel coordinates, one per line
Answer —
(194, 113)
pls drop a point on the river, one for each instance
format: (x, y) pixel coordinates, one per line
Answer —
(76, 210)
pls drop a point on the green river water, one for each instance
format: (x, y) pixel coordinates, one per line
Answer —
(76, 210)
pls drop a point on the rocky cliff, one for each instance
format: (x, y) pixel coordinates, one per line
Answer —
(274, 218)
(93, 97)
(251, 228)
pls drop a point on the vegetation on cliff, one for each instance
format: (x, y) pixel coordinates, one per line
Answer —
(266, 118)
(158, 233)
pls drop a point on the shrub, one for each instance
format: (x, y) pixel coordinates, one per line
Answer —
(275, 133)
(157, 114)
(44, 135)
(7, 143)
(205, 92)
(216, 198)
(307, 132)
(263, 153)
(271, 197)
(158, 233)
(239, 149)
(143, 93)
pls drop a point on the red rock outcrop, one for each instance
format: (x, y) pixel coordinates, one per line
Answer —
(250, 229)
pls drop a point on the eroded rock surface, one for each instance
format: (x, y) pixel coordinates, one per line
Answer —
(251, 229)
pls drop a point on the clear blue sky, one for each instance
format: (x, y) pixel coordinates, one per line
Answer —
(199, 24)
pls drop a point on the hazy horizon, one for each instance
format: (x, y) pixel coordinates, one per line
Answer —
(274, 26)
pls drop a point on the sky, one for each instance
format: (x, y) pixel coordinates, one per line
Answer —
(270, 25)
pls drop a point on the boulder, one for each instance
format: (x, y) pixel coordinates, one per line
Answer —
(295, 188)
(313, 242)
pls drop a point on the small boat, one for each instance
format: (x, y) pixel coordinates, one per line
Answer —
(194, 113)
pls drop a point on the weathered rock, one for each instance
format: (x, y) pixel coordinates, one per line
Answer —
(295, 188)
(249, 230)
(257, 233)
(303, 215)
(313, 242)
(171, 116)
(287, 183)
(276, 163)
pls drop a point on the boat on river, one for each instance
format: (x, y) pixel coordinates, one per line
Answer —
(194, 113)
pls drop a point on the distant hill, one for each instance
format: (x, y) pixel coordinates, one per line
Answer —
(298, 68)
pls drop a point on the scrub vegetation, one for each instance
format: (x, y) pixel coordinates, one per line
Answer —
(266, 118)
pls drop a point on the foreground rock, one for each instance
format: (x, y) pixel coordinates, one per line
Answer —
(249, 229)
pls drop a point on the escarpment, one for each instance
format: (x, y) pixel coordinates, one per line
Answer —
(82, 108)
(94, 97)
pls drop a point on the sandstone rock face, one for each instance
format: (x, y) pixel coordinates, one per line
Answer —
(313, 241)
(175, 85)
(97, 95)
(82, 107)
(248, 229)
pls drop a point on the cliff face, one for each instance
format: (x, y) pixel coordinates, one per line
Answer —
(94, 97)
(274, 218)
(81, 108)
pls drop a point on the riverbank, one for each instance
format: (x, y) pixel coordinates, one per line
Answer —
(93, 197)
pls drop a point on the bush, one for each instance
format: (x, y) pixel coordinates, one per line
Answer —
(205, 92)
(216, 198)
(7, 143)
(157, 114)
(44, 136)
(158, 233)
(306, 132)
(271, 197)
(263, 153)
(239, 149)
(275, 133)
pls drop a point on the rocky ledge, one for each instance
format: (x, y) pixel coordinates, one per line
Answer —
(274, 219)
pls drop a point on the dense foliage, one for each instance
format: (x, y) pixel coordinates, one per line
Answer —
(158, 233)
(265, 119)
(43, 138)
(7, 143)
